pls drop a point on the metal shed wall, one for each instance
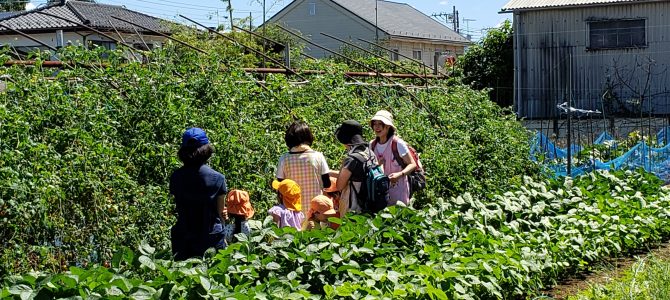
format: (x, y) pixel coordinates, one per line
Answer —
(553, 62)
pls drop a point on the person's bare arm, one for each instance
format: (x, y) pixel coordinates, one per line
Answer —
(343, 179)
(221, 207)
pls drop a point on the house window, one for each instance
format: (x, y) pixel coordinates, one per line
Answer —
(416, 54)
(394, 54)
(105, 44)
(617, 34)
(141, 46)
(312, 9)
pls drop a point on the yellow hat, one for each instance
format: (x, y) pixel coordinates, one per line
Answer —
(290, 191)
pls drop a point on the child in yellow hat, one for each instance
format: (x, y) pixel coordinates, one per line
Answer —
(289, 211)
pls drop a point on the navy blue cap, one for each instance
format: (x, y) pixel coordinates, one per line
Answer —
(197, 135)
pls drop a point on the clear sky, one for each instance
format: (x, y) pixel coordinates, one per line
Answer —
(475, 15)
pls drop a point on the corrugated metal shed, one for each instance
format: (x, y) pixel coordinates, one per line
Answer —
(554, 61)
(544, 4)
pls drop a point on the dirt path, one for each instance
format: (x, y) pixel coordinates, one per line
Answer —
(604, 273)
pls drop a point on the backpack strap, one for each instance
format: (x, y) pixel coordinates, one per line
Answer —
(363, 160)
(396, 154)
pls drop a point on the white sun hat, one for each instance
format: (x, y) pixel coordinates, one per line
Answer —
(384, 116)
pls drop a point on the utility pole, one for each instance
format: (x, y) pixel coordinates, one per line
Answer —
(467, 27)
(467, 24)
(264, 33)
(449, 18)
(230, 14)
(376, 22)
(455, 20)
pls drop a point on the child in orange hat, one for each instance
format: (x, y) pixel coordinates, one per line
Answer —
(238, 207)
(289, 211)
(320, 209)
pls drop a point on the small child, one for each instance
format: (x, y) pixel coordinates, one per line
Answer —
(332, 193)
(289, 210)
(320, 209)
(238, 207)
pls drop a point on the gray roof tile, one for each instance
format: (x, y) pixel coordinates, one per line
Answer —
(6, 14)
(401, 19)
(95, 15)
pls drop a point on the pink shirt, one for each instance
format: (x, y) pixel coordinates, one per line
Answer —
(400, 190)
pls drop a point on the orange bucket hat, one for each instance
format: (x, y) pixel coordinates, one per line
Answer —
(290, 191)
(333, 186)
(238, 203)
(320, 204)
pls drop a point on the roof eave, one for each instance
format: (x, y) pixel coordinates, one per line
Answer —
(525, 9)
(462, 43)
(76, 29)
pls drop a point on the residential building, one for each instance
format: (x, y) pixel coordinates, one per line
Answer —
(604, 55)
(397, 26)
(57, 32)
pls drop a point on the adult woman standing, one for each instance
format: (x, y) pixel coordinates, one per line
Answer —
(198, 191)
(384, 145)
(303, 165)
(352, 173)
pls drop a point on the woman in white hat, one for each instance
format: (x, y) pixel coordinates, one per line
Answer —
(392, 153)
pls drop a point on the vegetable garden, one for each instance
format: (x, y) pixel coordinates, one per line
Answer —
(86, 152)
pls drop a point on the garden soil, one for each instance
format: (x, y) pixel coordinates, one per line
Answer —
(604, 273)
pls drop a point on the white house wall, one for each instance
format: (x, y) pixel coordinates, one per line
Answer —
(428, 48)
(74, 39)
(552, 62)
(332, 19)
(328, 18)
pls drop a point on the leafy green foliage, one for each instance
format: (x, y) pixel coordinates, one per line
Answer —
(86, 151)
(490, 64)
(506, 246)
(13, 5)
(648, 278)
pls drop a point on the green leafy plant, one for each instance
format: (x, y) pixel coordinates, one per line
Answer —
(86, 151)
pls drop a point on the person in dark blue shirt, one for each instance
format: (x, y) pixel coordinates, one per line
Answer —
(199, 192)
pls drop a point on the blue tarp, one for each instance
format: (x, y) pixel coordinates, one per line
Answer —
(654, 160)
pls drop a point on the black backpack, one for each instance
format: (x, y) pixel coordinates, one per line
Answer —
(374, 193)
